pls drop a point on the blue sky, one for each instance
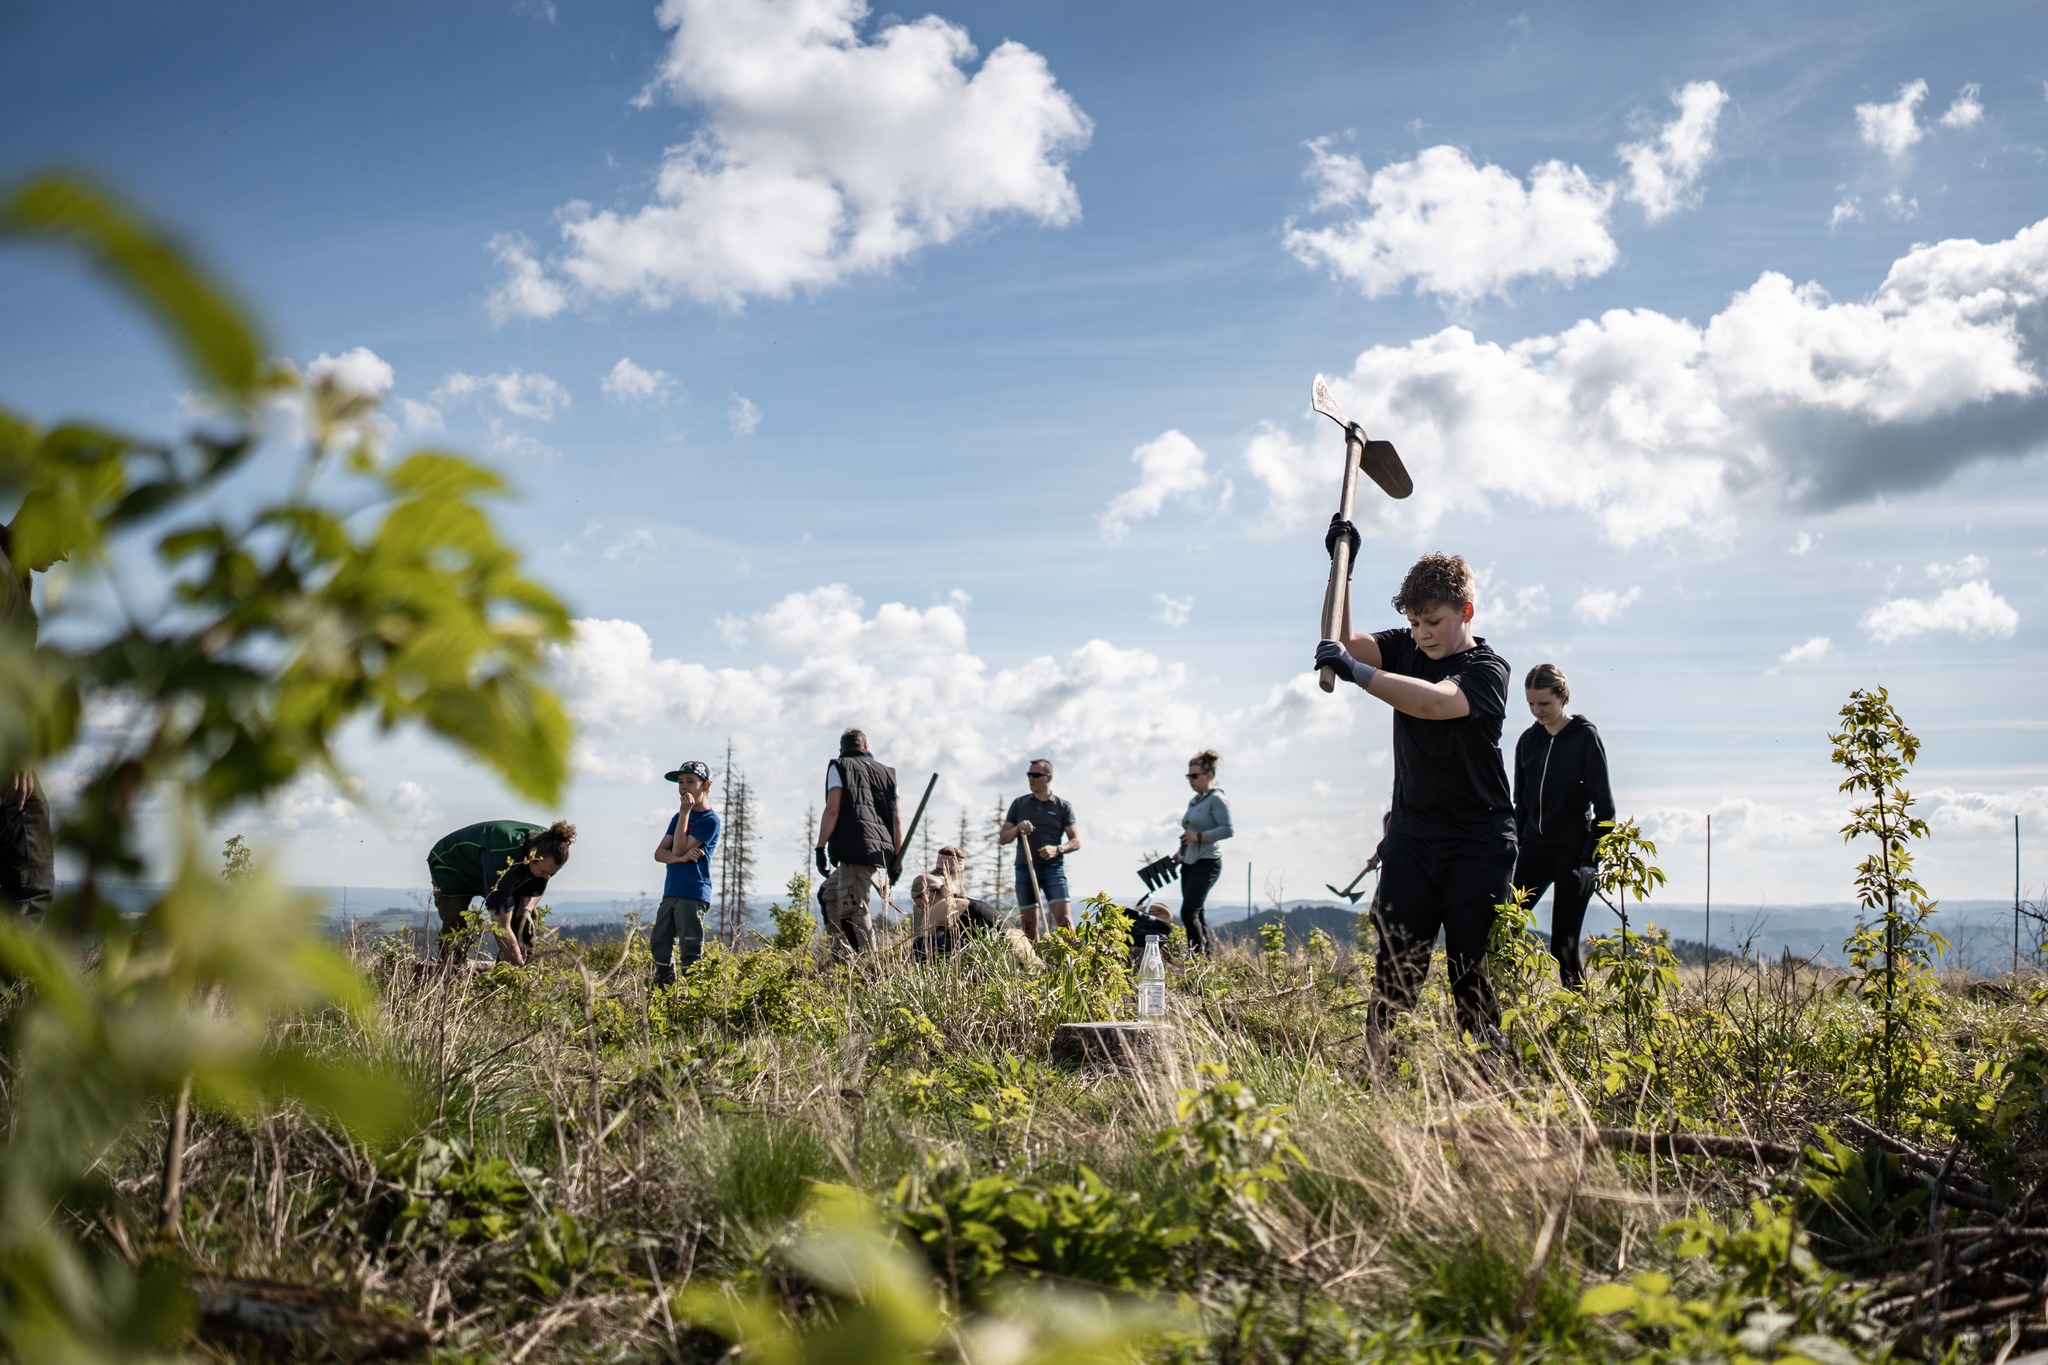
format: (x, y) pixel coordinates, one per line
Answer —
(946, 372)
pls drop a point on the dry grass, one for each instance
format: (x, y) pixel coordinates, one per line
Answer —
(643, 1152)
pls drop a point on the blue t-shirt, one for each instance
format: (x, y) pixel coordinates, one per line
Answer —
(692, 881)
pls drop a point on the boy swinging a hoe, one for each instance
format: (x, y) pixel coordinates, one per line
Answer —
(1450, 845)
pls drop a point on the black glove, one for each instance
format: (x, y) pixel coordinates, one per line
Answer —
(895, 867)
(1342, 526)
(823, 869)
(1587, 878)
(1330, 654)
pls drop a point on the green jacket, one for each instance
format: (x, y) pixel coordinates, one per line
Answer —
(473, 861)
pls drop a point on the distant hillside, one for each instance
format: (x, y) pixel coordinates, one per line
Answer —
(1338, 921)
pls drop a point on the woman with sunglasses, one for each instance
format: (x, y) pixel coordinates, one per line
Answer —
(1205, 825)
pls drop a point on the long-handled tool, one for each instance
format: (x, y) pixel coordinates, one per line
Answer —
(911, 833)
(1037, 896)
(1352, 893)
(1382, 464)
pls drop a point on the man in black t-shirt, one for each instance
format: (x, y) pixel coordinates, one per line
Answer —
(1450, 845)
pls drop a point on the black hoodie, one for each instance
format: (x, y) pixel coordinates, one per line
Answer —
(1557, 777)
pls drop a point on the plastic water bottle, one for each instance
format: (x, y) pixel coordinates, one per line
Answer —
(1152, 982)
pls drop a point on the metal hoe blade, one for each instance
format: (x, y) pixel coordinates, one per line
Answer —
(1380, 461)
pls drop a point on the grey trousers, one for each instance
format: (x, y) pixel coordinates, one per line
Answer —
(679, 921)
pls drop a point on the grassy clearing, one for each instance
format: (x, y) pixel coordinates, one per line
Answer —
(584, 1148)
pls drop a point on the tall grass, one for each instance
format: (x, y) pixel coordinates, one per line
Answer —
(1450, 1198)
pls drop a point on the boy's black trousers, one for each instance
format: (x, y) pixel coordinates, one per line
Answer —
(1431, 885)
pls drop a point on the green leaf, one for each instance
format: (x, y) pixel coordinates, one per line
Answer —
(439, 474)
(1603, 1299)
(218, 344)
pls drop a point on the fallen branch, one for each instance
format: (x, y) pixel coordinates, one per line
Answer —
(1695, 1144)
(297, 1317)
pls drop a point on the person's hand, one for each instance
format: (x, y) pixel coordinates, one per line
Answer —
(895, 867)
(1341, 527)
(818, 855)
(1047, 853)
(1587, 878)
(1331, 655)
(1023, 827)
(19, 789)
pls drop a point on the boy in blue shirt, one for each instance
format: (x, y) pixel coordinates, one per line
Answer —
(686, 896)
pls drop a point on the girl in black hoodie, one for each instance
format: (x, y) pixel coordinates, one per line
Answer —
(1561, 801)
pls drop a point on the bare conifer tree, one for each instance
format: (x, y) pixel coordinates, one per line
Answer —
(803, 854)
(739, 860)
(735, 849)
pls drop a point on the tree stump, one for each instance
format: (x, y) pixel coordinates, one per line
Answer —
(1119, 1043)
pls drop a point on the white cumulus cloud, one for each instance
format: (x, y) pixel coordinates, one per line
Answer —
(1653, 423)
(1971, 610)
(629, 383)
(359, 371)
(1454, 227)
(822, 154)
(1664, 171)
(421, 418)
(1967, 111)
(1463, 230)
(1170, 467)
(1812, 652)
(743, 417)
(518, 392)
(1601, 605)
(1893, 128)
(526, 291)
(1113, 718)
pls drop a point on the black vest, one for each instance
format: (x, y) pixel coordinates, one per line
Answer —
(865, 831)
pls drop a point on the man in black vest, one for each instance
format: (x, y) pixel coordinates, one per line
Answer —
(863, 830)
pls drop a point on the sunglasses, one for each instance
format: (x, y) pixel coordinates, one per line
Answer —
(1035, 775)
(1198, 773)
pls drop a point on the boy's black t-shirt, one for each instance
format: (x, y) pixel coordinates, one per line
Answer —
(1449, 781)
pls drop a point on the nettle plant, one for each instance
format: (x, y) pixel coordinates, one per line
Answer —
(206, 638)
(1894, 1060)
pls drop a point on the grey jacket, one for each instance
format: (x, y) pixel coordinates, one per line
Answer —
(1208, 815)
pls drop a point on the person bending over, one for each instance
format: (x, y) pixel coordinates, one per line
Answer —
(1562, 798)
(685, 848)
(508, 863)
(1043, 827)
(1450, 844)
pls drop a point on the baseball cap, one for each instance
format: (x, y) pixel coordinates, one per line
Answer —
(695, 766)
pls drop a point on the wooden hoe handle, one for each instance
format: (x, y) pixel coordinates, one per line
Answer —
(1340, 556)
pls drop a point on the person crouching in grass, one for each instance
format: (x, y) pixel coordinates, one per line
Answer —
(686, 848)
(508, 863)
(1450, 847)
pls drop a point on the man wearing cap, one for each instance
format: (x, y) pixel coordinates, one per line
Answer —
(862, 829)
(945, 912)
(686, 847)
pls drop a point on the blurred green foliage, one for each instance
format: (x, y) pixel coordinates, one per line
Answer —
(205, 638)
